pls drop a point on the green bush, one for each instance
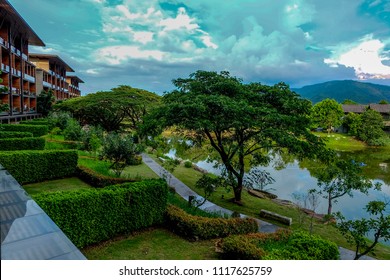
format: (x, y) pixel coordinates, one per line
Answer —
(187, 164)
(281, 245)
(28, 143)
(13, 134)
(97, 180)
(35, 122)
(36, 130)
(194, 227)
(73, 130)
(38, 166)
(95, 215)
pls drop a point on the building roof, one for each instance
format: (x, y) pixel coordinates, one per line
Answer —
(75, 78)
(359, 108)
(52, 59)
(15, 19)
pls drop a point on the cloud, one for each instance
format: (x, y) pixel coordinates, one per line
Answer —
(366, 59)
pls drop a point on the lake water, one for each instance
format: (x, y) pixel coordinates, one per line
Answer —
(294, 178)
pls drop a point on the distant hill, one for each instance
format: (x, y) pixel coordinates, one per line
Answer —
(363, 93)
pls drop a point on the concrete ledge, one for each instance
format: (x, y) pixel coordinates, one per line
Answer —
(273, 216)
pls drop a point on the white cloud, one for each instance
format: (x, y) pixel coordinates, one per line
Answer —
(181, 21)
(115, 55)
(366, 59)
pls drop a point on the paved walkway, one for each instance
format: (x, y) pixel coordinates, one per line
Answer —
(185, 192)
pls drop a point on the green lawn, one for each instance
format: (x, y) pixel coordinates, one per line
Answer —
(341, 142)
(66, 184)
(152, 244)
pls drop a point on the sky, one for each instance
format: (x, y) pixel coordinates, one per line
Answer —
(148, 43)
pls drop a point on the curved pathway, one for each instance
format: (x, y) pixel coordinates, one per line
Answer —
(185, 192)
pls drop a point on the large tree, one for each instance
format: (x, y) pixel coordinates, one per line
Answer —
(109, 109)
(371, 128)
(241, 122)
(327, 114)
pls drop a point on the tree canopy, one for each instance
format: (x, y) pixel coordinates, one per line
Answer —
(327, 114)
(241, 122)
(109, 108)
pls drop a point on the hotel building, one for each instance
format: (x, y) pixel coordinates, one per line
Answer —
(24, 75)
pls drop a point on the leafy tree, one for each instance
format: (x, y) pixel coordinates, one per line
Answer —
(371, 128)
(352, 123)
(327, 114)
(342, 178)
(241, 122)
(119, 150)
(349, 102)
(356, 231)
(208, 184)
(91, 138)
(383, 102)
(109, 109)
(45, 102)
(73, 130)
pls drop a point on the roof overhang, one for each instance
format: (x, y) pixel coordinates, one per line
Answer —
(75, 78)
(15, 19)
(52, 59)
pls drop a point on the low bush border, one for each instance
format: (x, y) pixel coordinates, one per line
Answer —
(195, 227)
(27, 143)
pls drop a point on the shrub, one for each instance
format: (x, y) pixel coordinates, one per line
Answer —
(58, 119)
(35, 122)
(281, 245)
(36, 130)
(193, 227)
(72, 130)
(28, 143)
(14, 134)
(97, 180)
(188, 164)
(38, 166)
(94, 215)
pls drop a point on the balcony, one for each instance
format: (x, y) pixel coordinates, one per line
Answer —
(4, 89)
(16, 72)
(16, 51)
(4, 68)
(25, 57)
(29, 78)
(46, 84)
(3, 43)
(15, 91)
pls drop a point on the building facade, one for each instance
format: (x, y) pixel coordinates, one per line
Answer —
(24, 75)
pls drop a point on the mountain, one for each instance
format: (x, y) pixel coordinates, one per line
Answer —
(363, 93)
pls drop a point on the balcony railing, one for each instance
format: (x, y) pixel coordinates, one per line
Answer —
(4, 68)
(29, 78)
(25, 57)
(4, 43)
(46, 84)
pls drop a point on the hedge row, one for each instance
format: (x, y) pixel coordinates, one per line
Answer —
(281, 245)
(30, 143)
(14, 134)
(35, 122)
(36, 130)
(38, 166)
(194, 227)
(97, 180)
(93, 215)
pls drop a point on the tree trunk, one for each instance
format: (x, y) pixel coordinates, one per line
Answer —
(237, 194)
(329, 205)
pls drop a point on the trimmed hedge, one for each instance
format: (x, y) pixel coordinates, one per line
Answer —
(281, 245)
(94, 215)
(36, 130)
(30, 143)
(97, 180)
(38, 166)
(194, 227)
(35, 122)
(14, 134)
